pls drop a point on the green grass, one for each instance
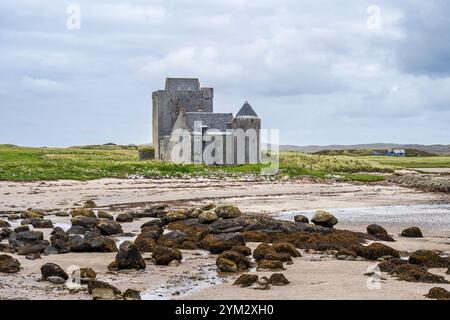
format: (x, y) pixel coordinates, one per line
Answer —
(85, 163)
(413, 162)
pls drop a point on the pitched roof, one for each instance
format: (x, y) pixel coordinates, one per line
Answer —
(246, 111)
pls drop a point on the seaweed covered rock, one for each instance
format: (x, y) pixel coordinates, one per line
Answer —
(412, 232)
(83, 212)
(155, 222)
(124, 217)
(226, 211)
(246, 251)
(391, 264)
(379, 232)
(4, 224)
(376, 251)
(9, 264)
(242, 262)
(146, 241)
(165, 255)
(428, 259)
(226, 265)
(83, 221)
(109, 227)
(90, 204)
(175, 216)
(105, 215)
(207, 217)
(270, 265)
(301, 219)
(246, 280)
(218, 243)
(324, 218)
(173, 239)
(438, 293)
(278, 279)
(128, 257)
(104, 291)
(85, 275)
(415, 273)
(286, 247)
(268, 252)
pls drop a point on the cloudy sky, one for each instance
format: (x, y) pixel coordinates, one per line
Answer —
(321, 71)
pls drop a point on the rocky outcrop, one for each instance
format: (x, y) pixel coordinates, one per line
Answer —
(240, 261)
(324, 218)
(9, 264)
(428, 259)
(109, 227)
(83, 212)
(301, 219)
(438, 294)
(227, 211)
(412, 232)
(218, 243)
(128, 257)
(207, 217)
(376, 251)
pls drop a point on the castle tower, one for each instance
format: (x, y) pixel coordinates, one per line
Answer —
(248, 149)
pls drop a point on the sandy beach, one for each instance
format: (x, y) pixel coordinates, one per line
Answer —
(313, 276)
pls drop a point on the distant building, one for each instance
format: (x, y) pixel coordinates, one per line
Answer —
(214, 138)
(396, 153)
(376, 153)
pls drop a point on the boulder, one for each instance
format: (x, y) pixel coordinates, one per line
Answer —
(58, 238)
(53, 270)
(376, 251)
(208, 207)
(207, 217)
(86, 222)
(278, 279)
(124, 217)
(164, 255)
(415, 273)
(21, 228)
(175, 216)
(246, 280)
(77, 230)
(375, 229)
(42, 224)
(109, 227)
(131, 294)
(128, 257)
(218, 243)
(194, 213)
(428, 259)
(13, 217)
(75, 243)
(32, 248)
(103, 291)
(4, 224)
(62, 214)
(146, 241)
(30, 236)
(438, 293)
(99, 243)
(286, 247)
(246, 251)
(105, 215)
(32, 214)
(226, 265)
(255, 236)
(270, 265)
(301, 219)
(153, 223)
(90, 204)
(412, 232)
(56, 280)
(83, 212)
(324, 218)
(9, 264)
(227, 211)
(242, 262)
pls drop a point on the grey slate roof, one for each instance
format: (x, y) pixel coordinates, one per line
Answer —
(216, 121)
(246, 111)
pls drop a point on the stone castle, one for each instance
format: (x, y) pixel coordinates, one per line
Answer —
(183, 114)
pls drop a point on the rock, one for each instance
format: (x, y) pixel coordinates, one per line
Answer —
(105, 215)
(131, 294)
(31, 248)
(270, 265)
(32, 214)
(218, 243)
(415, 273)
(195, 213)
(33, 256)
(62, 214)
(146, 241)
(208, 207)
(278, 279)
(4, 224)
(58, 238)
(56, 280)
(90, 204)
(164, 255)
(52, 269)
(103, 291)
(375, 229)
(109, 227)
(241, 261)
(13, 217)
(428, 259)
(438, 293)
(86, 275)
(42, 224)
(175, 216)
(30, 236)
(255, 236)
(7, 248)
(207, 217)
(301, 219)
(227, 211)
(246, 280)
(99, 243)
(83, 212)
(76, 243)
(87, 222)
(77, 230)
(96, 284)
(226, 265)
(173, 239)
(9, 264)
(285, 247)
(246, 251)
(23, 228)
(124, 217)
(153, 223)
(377, 250)
(324, 218)
(413, 232)
(128, 257)
(49, 250)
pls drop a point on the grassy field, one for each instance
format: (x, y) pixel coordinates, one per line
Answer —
(413, 162)
(85, 163)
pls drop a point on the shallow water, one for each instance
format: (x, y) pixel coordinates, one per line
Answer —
(432, 216)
